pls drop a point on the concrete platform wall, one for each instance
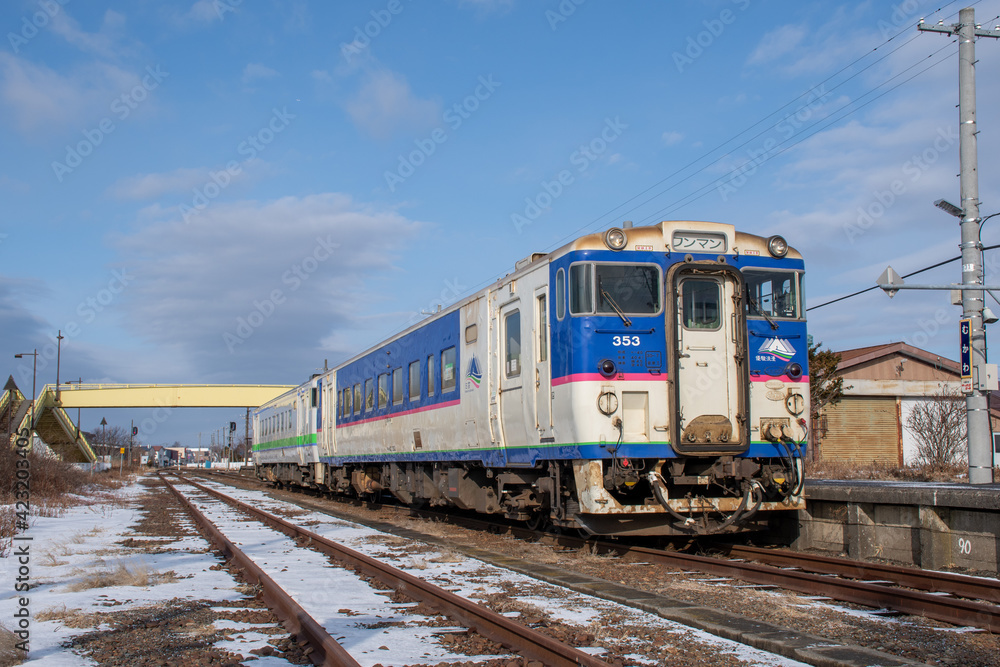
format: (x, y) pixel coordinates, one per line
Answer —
(931, 526)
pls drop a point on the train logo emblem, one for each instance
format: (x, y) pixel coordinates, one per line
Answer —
(779, 348)
(474, 376)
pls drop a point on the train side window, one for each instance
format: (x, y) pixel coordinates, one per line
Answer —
(543, 329)
(430, 376)
(397, 385)
(448, 379)
(560, 294)
(347, 402)
(701, 304)
(581, 289)
(315, 397)
(357, 399)
(369, 395)
(512, 338)
(471, 334)
(415, 381)
(383, 390)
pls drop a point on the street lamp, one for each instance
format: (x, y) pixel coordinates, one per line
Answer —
(949, 208)
(59, 340)
(104, 433)
(34, 368)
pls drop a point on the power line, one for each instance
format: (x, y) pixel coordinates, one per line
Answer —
(869, 289)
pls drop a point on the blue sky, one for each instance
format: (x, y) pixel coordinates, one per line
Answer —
(222, 191)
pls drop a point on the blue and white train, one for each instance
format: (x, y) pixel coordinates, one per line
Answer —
(641, 381)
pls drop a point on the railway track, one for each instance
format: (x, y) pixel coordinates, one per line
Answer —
(953, 598)
(519, 638)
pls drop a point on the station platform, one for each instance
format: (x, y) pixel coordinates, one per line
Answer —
(925, 524)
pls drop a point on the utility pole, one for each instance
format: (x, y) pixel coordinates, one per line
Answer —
(976, 401)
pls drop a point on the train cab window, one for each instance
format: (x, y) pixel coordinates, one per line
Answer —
(448, 371)
(560, 294)
(369, 395)
(629, 288)
(581, 288)
(512, 343)
(700, 304)
(397, 386)
(415, 381)
(314, 397)
(357, 399)
(383, 390)
(430, 376)
(543, 329)
(773, 294)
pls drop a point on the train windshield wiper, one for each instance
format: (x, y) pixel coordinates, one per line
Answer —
(756, 306)
(618, 310)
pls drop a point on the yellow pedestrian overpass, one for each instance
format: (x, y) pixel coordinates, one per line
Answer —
(56, 429)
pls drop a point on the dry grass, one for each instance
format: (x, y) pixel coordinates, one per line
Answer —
(447, 557)
(9, 653)
(71, 618)
(123, 574)
(881, 470)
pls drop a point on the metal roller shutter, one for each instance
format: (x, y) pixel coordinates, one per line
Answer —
(862, 429)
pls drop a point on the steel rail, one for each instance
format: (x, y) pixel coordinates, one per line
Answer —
(954, 611)
(519, 638)
(326, 650)
(974, 588)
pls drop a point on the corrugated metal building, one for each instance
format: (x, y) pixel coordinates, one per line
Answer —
(886, 382)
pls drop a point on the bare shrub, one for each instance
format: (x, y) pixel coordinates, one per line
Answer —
(9, 653)
(938, 426)
(50, 477)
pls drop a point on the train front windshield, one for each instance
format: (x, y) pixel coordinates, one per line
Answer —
(774, 294)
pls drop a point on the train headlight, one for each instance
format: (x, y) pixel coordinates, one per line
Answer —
(777, 246)
(615, 238)
(608, 368)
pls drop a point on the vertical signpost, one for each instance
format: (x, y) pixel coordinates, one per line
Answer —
(965, 347)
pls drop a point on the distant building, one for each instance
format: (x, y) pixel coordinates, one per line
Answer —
(885, 383)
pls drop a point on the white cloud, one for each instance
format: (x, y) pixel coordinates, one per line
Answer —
(385, 104)
(151, 186)
(254, 71)
(102, 43)
(40, 98)
(251, 289)
(777, 43)
(671, 138)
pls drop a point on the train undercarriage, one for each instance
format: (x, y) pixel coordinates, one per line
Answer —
(691, 496)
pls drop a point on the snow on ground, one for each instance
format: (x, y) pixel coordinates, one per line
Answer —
(82, 542)
(75, 549)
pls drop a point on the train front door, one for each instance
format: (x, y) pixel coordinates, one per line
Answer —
(708, 364)
(515, 351)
